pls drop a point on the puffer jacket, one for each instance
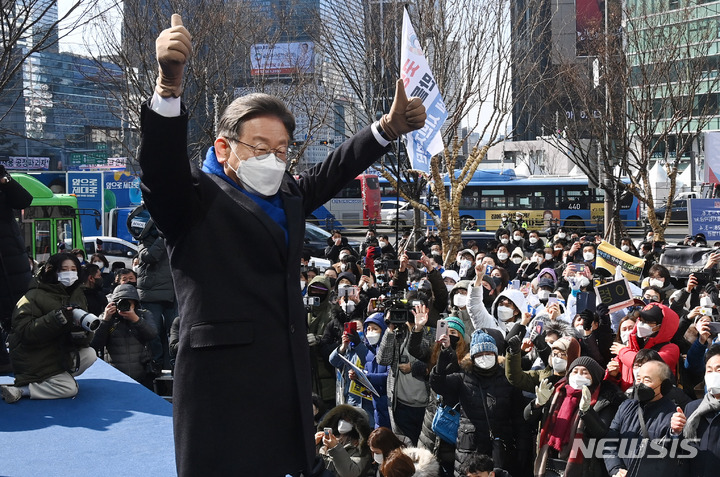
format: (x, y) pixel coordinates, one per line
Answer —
(323, 374)
(424, 462)
(40, 346)
(124, 342)
(348, 459)
(14, 267)
(504, 403)
(154, 282)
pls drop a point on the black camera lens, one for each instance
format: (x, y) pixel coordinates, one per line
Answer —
(123, 304)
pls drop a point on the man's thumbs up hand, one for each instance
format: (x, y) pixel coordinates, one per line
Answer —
(172, 48)
(677, 422)
(404, 116)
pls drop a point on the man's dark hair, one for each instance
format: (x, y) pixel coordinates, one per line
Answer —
(249, 107)
(714, 350)
(534, 232)
(89, 271)
(335, 231)
(123, 271)
(478, 463)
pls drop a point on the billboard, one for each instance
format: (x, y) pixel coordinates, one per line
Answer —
(282, 58)
(589, 19)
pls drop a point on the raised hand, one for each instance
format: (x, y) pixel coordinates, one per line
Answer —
(404, 116)
(172, 48)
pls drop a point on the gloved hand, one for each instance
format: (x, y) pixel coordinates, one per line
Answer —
(404, 116)
(585, 400)
(602, 310)
(64, 315)
(513, 344)
(172, 48)
(543, 392)
(588, 317)
(354, 338)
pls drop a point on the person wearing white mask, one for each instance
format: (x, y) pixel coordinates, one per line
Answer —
(700, 420)
(580, 404)
(534, 241)
(489, 403)
(450, 277)
(457, 304)
(658, 276)
(508, 308)
(48, 347)
(344, 450)
(503, 260)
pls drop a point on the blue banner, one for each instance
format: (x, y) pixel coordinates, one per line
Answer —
(704, 218)
(88, 187)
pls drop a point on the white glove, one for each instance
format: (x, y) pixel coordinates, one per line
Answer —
(312, 339)
(585, 400)
(543, 392)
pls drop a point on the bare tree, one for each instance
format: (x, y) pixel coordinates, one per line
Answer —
(656, 97)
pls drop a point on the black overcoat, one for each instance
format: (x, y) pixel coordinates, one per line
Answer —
(242, 391)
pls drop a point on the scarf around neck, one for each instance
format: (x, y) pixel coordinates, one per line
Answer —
(709, 404)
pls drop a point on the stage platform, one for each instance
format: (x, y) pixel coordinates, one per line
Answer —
(113, 427)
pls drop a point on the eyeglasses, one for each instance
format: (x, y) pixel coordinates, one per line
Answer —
(262, 150)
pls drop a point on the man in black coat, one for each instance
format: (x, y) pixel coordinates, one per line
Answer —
(234, 230)
(14, 264)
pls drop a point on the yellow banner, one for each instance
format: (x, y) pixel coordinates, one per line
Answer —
(610, 257)
(357, 388)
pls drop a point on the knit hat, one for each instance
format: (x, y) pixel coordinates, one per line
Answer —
(457, 324)
(482, 342)
(349, 276)
(596, 371)
(569, 345)
(126, 291)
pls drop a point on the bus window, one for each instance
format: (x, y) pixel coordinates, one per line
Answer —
(42, 240)
(372, 182)
(352, 190)
(493, 199)
(574, 200)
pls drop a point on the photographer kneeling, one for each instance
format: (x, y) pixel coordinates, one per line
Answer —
(50, 335)
(124, 336)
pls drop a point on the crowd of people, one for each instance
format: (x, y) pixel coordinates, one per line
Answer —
(511, 340)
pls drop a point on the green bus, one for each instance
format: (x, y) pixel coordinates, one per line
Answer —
(51, 220)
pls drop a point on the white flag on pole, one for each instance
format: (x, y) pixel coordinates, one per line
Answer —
(419, 81)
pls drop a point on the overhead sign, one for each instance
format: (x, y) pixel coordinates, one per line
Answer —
(26, 163)
(281, 58)
(704, 218)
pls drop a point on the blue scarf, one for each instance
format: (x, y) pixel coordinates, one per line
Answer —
(273, 205)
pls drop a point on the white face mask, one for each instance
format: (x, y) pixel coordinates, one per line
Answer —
(373, 337)
(625, 248)
(67, 278)
(580, 329)
(561, 235)
(543, 294)
(502, 256)
(533, 239)
(548, 256)
(449, 287)
(100, 265)
(302, 284)
(379, 458)
(485, 361)
(588, 256)
(261, 176)
(517, 260)
(643, 329)
(341, 256)
(625, 336)
(382, 244)
(583, 282)
(344, 427)
(577, 381)
(505, 241)
(517, 238)
(505, 313)
(656, 282)
(460, 300)
(559, 365)
(706, 301)
(712, 382)
(649, 238)
(348, 306)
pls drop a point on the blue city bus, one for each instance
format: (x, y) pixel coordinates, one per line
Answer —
(543, 200)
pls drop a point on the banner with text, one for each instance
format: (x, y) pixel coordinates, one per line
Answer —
(88, 188)
(419, 81)
(610, 257)
(682, 261)
(704, 218)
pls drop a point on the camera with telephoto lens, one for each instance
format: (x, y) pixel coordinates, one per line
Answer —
(123, 304)
(397, 308)
(85, 319)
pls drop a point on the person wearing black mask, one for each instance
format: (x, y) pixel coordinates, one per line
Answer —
(93, 289)
(647, 416)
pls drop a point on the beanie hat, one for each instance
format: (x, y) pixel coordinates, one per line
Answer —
(457, 324)
(349, 276)
(596, 371)
(482, 342)
(125, 291)
(569, 345)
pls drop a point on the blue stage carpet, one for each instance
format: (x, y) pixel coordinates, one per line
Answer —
(113, 427)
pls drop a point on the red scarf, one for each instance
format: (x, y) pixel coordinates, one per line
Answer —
(561, 423)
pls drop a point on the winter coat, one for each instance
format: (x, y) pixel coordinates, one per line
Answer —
(523, 380)
(14, 265)
(40, 346)
(669, 352)
(323, 374)
(248, 307)
(504, 404)
(154, 281)
(626, 425)
(378, 376)
(125, 343)
(707, 461)
(592, 424)
(348, 460)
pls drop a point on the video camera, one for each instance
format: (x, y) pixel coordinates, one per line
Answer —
(397, 308)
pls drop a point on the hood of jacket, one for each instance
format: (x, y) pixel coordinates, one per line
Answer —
(668, 328)
(351, 414)
(378, 319)
(461, 285)
(516, 296)
(426, 465)
(324, 281)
